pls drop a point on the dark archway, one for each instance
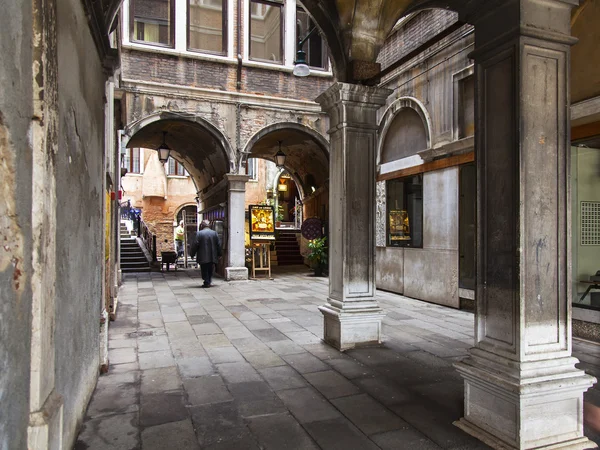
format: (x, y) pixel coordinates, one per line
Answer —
(203, 150)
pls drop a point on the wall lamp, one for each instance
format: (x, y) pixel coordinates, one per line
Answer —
(164, 151)
(300, 67)
(279, 157)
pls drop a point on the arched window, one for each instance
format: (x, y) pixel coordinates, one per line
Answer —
(405, 136)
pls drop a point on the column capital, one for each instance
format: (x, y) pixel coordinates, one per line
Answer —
(353, 93)
(353, 105)
(233, 177)
(236, 181)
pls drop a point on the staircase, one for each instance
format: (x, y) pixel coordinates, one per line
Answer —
(132, 257)
(288, 251)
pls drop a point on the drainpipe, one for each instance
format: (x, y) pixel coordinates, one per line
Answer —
(239, 45)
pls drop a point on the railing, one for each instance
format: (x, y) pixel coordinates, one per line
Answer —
(130, 213)
(147, 237)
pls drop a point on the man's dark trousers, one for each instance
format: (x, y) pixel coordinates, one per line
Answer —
(207, 271)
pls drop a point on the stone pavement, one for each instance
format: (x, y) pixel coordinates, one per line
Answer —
(241, 366)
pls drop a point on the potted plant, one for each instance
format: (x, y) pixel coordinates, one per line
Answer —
(317, 255)
(279, 216)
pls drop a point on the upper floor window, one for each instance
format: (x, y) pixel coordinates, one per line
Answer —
(153, 21)
(207, 25)
(175, 168)
(266, 31)
(251, 168)
(315, 47)
(131, 160)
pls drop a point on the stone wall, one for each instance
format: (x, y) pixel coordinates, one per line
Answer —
(16, 111)
(80, 203)
(431, 272)
(51, 225)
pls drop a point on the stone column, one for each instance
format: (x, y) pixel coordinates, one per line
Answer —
(352, 315)
(236, 251)
(522, 389)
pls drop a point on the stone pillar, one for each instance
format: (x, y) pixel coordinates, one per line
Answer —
(352, 315)
(522, 389)
(236, 250)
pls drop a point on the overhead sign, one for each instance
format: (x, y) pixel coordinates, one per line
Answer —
(262, 222)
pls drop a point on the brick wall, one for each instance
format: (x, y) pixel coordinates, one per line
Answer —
(190, 72)
(415, 32)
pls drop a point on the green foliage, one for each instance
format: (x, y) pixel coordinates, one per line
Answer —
(317, 254)
(279, 213)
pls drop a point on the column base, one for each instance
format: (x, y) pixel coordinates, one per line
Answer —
(45, 428)
(348, 329)
(526, 405)
(236, 273)
(582, 443)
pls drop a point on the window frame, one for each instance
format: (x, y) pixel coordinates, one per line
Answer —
(172, 26)
(224, 30)
(409, 242)
(128, 156)
(176, 165)
(282, 17)
(306, 47)
(254, 163)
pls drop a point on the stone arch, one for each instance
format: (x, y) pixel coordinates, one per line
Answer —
(182, 206)
(315, 135)
(408, 108)
(132, 128)
(306, 149)
(196, 143)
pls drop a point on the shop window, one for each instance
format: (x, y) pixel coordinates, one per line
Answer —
(266, 31)
(153, 21)
(207, 26)
(405, 212)
(315, 47)
(131, 160)
(175, 168)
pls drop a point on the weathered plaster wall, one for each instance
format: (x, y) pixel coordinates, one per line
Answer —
(16, 79)
(80, 200)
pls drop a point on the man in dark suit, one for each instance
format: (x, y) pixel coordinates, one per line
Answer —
(207, 249)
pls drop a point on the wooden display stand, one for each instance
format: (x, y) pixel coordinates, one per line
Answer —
(261, 257)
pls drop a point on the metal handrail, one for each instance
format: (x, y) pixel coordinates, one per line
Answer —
(148, 238)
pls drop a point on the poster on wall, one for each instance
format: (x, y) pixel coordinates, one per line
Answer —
(262, 222)
(399, 227)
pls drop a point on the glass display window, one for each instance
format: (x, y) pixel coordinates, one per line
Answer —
(405, 212)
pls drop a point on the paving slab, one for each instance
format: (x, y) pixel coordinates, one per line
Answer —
(155, 381)
(162, 408)
(367, 414)
(280, 431)
(307, 405)
(331, 384)
(238, 372)
(169, 436)
(115, 432)
(205, 390)
(340, 434)
(283, 377)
